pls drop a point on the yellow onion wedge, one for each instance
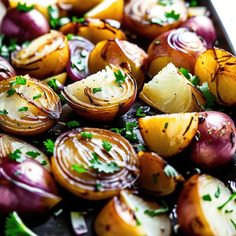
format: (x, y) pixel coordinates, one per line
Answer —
(83, 164)
(27, 106)
(180, 46)
(170, 92)
(101, 96)
(150, 18)
(129, 214)
(95, 30)
(121, 53)
(43, 57)
(9, 144)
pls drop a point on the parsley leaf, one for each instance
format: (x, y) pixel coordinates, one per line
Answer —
(86, 135)
(95, 90)
(73, 124)
(76, 19)
(217, 193)
(53, 84)
(120, 77)
(23, 109)
(33, 154)
(157, 212)
(192, 78)
(24, 7)
(210, 98)
(139, 112)
(107, 168)
(231, 198)
(165, 2)
(37, 96)
(206, 197)
(106, 145)
(3, 112)
(11, 92)
(98, 186)
(233, 223)
(172, 15)
(43, 163)
(16, 156)
(14, 226)
(79, 168)
(49, 145)
(193, 3)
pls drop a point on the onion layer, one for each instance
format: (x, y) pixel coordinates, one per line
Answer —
(6, 70)
(73, 150)
(180, 46)
(99, 97)
(43, 57)
(28, 106)
(149, 18)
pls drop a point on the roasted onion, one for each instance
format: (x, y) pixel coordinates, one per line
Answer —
(215, 143)
(77, 66)
(95, 30)
(27, 106)
(102, 96)
(150, 18)
(26, 187)
(180, 46)
(6, 70)
(83, 164)
(24, 25)
(121, 53)
(43, 57)
(9, 144)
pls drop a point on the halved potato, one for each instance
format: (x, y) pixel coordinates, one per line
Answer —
(157, 177)
(107, 9)
(127, 215)
(95, 30)
(169, 134)
(217, 67)
(170, 92)
(120, 53)
(204, 208)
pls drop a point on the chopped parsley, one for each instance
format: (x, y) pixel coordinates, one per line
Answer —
(16, 156)
(172, 15)
(106, 145)
(53, 84)
(33, 154)
(76, 19)
(49, 145)
(70, 36)
(72, 124)
(207, 197)
(157, 212)
(14, 226)
(210, 98)
(98, 186)
(165, 2)
(231, 198)
(99, 166)
(79, 168)
(3, 112)
(192, 78)
(23, 109)
(11, 92)
(43, 163)
(120, 77)
(193, 3)
(233, 223)
(24, 7)
(54, 17)
(139, 112)
(20, 80)
(217, 193)
(95, 90)
(7, 46)
(37, 96)
(86, 135)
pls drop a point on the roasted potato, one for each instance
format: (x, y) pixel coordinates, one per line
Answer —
(157, 177)
(170, 92)
(217, 67)
(169, 134)
(206, 207)
(128, 214)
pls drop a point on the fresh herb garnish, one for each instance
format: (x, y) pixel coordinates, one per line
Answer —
(165, 2)
(78, 63)
(14, 226)
(3, 112)
(172, 15)
(73, 124)
(217, 193)
(23, 109)
(157, 212)
(70, 36)
(95, 90)
(138, 222)
(228, 211)
(62, 98)
(16, 156)
(37, 96)
(33, 154)
(98, 186)
(192, 78)
(120, 77)
(206, 197)
(24, 7)
(193, 3)
(76, 19)
(54, 17)
(79, 168)
(233, 223)
(210, 98)
(106, 145)
(20, 80)
(7, 46)
(43, 163)
(49, 145)
(53, 84)
(231, 198)
(170, 171)
(11, 92)
(86, 135)
(139, 112)
(99, 166)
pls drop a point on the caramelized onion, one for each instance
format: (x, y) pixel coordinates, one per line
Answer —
(99, 97)
(180, 46)
(73, 149)
(9, 144)
(6, 70)
(149, 18)
(43, 57)
(27, 108)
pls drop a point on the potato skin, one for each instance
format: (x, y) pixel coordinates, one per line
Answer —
(190, 216)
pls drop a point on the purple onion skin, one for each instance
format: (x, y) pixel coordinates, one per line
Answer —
(79, 51)
(204, 27)
(216, 142)
(26, 187)
(6, 70)
(24, 26)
